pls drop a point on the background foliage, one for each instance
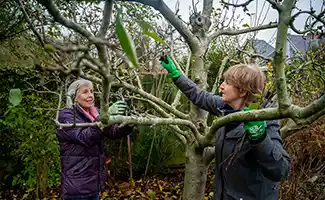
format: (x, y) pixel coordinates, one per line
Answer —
(29, 154)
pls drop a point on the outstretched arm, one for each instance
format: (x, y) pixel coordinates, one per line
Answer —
(116, 132)
(87, 136)
(202, 99)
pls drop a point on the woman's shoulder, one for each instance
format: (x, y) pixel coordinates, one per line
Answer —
(66, 113)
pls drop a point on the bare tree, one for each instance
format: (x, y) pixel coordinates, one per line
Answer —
(197, 136)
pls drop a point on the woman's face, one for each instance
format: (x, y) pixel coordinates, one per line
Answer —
(85, 97)
(231, 95)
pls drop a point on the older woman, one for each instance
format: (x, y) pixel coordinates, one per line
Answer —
(81, 149)
(262, 161)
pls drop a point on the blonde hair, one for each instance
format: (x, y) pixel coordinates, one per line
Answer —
(247, 78)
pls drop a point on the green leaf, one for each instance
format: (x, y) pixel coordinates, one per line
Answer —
(154, 36)
(126, 41)
(255, 106)
(245, 25)
(15, 97)
(258, 96)
(151, 194)
(145, 25)
(49, 48)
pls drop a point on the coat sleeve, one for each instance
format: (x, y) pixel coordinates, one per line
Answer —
(87, 136)
(202, 99)
(270, 154)
(116, 132)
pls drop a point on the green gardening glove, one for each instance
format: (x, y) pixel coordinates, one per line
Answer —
(170, 67)
(255, 129)
(118, 108)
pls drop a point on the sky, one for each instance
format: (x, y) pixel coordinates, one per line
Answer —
(257, 6)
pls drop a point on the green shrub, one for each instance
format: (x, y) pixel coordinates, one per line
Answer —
(29, 152)
(167, 150)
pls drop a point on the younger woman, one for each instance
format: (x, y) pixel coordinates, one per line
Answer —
(261, 162)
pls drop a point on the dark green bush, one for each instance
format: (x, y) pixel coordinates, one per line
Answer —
(167, 150)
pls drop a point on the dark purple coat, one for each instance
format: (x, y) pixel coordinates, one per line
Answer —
(82, 155)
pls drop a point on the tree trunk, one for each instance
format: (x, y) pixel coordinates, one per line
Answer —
(195, 164)
(195, 174)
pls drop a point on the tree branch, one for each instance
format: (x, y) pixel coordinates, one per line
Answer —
(69, 71)
(280, 56)
(106, 18)
(69, 48)
(312, 108)
(160, 5)
(105, 68)
(207, 8)
(218, 78)
(93, 61)
(30, 23)
(91, 78)
(92, 66)
(119, 119)
(138, 79)
(59, 104)
(209, 154)
(180, 134)
(311, 13)
(156, 100)
(245, 4)
(54, 11)
(275, 5)
(217, 33)
(293, 127)
(179, 92)
(264, 114)
(255, 55)
(298, 115)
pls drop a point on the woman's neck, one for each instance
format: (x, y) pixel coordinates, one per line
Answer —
(85, 109)
(237, 105)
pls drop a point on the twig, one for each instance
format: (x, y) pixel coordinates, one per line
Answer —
(254, 55)
(156, 100)
(59, 104)
(275, 5)
(181, 134)
(42, 92)
(30, 23)
(54, 11)
(150, 151)
(218, 78)
(217, 33)
(49, 109)
(69, 48)
(311, 13)
(138, 79)
(174, 20)
(238, 5)
(130, 156)
(179, 92)
(106, 18)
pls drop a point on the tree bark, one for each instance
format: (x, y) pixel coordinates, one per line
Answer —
(200, 77)
(195, 174)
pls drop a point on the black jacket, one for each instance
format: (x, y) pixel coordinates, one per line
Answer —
(257, 167)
